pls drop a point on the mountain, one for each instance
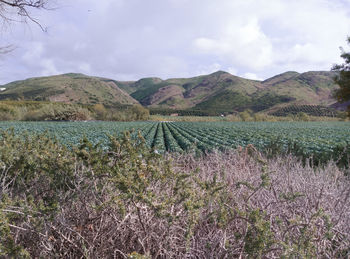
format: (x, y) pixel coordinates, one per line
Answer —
(222, 91)
(314, 87)
(219, 91)
(69, 88)
(190, 92)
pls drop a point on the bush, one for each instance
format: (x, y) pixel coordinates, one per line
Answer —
(128, 201)
(302, 116)
(100, 111)
(6, 116)
(52, 112)
(246, 115)
(40, 111)
(139, 113)
(135, 113)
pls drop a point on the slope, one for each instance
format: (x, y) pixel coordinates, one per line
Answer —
(223, 92)
(309, 88)
(219, 92)
(182, 93)
(69, 88)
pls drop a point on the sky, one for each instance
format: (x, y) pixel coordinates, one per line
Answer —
(132, 39)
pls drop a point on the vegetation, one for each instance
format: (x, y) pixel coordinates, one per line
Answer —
(316, 140)
(128, 202)
(179, 112)
(146, 87)
(343, 79)
(314, 110)
(126, 113)
(50, 111)
(288, 111)
(248, 115)
(221, 92)
(34, 111)
(207, 95)
(229, 101)
(68, 88)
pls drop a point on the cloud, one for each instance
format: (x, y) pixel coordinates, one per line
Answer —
(243, 44)
(130, 39)
(251, 76)
(208, 69)
(48, 67)
(34, 52)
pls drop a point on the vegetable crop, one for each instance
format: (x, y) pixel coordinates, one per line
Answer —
(320, 141)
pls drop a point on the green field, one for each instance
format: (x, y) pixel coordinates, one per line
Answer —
(320, 140)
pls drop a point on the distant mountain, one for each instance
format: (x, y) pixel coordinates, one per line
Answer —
(69, 88)
(314, 87)
(219, 91)
(225, 92)
(189, 92)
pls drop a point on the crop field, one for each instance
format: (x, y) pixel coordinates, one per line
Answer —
(305, 138)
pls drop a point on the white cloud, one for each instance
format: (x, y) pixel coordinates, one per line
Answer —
(205, 70)
(243, 44)
(232, 70)
(130, 39)
(34, 51)
(48, 68)
(251, 76)
(85, 68)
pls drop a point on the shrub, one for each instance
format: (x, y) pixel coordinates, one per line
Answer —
(130, 202)
(302, 116)
(139, 112)
(52, 112)
(100, 111)
(6, 116)
(246, 115)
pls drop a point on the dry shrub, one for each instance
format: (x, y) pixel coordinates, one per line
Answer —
(132, 203)
(306, 209)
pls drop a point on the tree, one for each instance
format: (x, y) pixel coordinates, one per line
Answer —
(343, 79)
(20, 10)
(139, 112)
(100, 111)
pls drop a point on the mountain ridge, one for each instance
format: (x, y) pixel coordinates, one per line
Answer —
(219, 91)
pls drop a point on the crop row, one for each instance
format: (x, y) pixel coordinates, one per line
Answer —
(308, 139)
(314, 110)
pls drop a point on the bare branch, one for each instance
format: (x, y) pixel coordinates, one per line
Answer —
(22, 9)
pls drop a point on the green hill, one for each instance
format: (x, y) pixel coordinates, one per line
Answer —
(189, 92)
(224, 92)
(68, 88)
(219, 92)
(312, 88)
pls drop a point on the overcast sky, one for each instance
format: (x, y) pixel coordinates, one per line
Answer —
(131, 39)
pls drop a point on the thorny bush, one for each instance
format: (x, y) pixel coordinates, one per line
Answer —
(130, 202)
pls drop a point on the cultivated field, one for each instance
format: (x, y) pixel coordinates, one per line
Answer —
(320, 140)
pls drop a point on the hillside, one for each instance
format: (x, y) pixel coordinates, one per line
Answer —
(219, 92)
(189, 92)
(68, 88)
(307, 88)
(224, 92)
